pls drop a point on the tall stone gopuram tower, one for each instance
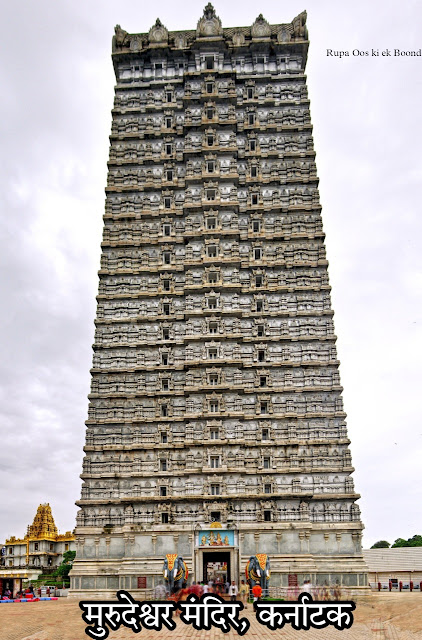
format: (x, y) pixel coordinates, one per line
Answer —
(216, 427)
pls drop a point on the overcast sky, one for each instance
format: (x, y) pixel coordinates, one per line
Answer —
(57, 92)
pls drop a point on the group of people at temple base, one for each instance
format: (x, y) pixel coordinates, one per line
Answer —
(243, 592)
(198, 588)
(27, 593)
(318, 592)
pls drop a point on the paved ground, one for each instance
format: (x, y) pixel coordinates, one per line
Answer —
(377, 617)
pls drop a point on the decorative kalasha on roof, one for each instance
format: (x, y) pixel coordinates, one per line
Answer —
(42, 528)
(210, 26)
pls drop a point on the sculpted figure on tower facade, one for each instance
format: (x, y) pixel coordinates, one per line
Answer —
(121, 38)
(299, 26)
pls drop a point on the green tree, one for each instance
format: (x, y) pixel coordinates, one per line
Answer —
(66, 565)
(68, 556)
(381, 544)
(415, 541)
(400, 542)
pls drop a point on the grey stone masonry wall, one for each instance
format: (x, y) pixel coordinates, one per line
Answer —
(215, 383)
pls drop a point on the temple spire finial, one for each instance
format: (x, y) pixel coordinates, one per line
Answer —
(209, 11)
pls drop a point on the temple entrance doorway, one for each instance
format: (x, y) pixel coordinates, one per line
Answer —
(216, 567)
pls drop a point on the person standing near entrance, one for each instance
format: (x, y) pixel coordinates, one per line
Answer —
(256, 592)
(243, 592)
(233, 591)
(307, 587)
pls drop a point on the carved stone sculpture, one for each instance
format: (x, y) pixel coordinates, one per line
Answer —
(180, 41)
(299, 26)
(121, 37)
(210, 23)
(175, 572)
(258, 571)
(238, 39)
(158, 34)
(283, 35)
(260, 28)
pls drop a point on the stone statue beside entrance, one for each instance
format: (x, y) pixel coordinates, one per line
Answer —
(258, 571)
(175, 572)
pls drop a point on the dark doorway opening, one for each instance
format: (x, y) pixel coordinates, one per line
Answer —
(216, 567)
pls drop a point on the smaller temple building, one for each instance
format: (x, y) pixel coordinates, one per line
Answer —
(39, 551)
(398, 565)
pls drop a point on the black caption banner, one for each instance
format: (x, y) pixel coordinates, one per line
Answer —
(211, 610)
